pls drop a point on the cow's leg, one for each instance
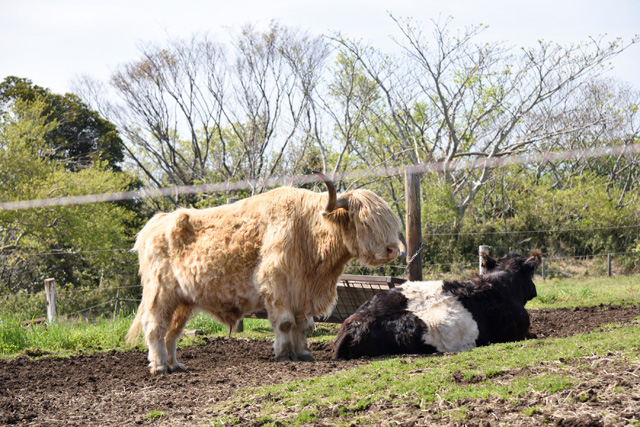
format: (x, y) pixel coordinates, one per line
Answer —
(282, 324)
(180, 318)
(276, 298)
(291, 337)
(299, 339)
(155, 324)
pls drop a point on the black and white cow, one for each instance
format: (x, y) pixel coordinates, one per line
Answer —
(444, 316)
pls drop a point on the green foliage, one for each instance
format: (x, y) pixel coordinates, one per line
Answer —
(79, 137)
(580, 218)
(27, 305)
(28, 170)
(521, 212)
(154, 414)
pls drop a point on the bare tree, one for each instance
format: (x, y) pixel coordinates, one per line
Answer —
(277, 73)
(453, 98)
(193, 110)
(161, 93)
(605, 114)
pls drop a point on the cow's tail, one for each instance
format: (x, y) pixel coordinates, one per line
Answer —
(136, 326)
(148, 295)
(144, 247)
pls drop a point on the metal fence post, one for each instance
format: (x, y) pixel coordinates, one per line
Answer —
(609, 264)
(544, 267)
(50, 293)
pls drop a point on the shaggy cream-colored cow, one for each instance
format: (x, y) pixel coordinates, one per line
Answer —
(282, 250)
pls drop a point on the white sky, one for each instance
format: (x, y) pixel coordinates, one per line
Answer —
(53, 41)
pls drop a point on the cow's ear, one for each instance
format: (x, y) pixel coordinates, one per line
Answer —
(340, 211)
(534, 260)
(337, 215)
(488, 262)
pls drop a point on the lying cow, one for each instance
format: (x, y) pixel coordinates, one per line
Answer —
(444, 316)
(282, 250)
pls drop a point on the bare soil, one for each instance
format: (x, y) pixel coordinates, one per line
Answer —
(115, 388)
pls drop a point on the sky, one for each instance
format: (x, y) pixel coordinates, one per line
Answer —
(52, 42)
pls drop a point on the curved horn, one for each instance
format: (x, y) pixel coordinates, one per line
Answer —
(331, 204)
(402, 247)
(334, 202)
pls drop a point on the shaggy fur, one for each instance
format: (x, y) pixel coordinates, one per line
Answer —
(280, 250)
(451, 316)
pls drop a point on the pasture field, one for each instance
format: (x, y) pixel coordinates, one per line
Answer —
(67, 338)
(583, 369)
(530, 383)
(586, 291)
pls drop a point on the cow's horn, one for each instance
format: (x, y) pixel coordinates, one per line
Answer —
(333, 203)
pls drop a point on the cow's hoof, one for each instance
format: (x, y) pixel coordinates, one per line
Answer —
(178, 367)
(289, 357)
(162, 369)
(306, 357)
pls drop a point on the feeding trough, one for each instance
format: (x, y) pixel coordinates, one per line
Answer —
(353, 291)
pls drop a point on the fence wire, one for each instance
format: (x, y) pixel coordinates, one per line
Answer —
(126, 304)
(297, 180)
(306, 179)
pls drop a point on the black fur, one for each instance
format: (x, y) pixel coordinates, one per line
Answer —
(380, 326)
(496, 301)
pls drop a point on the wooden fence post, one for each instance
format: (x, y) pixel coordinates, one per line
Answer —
(50, 293)
(115, 306)
(481, 267)
(240, 325)
(413, 224)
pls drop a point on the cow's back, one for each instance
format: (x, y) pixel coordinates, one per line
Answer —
(209, 256)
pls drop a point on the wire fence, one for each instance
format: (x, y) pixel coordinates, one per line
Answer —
(298, 180)
(111, 300)
(90, 305)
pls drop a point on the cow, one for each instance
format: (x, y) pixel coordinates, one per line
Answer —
(444, 316)
(282, 250)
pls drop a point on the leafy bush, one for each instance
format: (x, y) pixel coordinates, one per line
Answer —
(523, 212)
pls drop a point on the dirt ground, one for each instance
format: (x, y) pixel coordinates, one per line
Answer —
(115, 388)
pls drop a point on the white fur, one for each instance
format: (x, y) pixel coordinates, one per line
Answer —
(450, 327)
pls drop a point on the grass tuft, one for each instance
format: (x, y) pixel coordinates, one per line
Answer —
(155, 414)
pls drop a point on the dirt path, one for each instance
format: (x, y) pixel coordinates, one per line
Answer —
(116, 388)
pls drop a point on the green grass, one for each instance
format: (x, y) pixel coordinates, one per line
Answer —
(258, 329)
(504, 371)
(574, 292)
(61, 338)
(155, 414)
(67, 338)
